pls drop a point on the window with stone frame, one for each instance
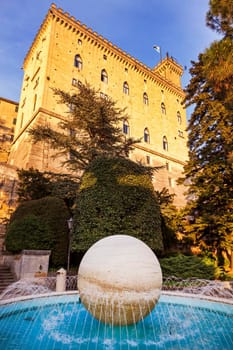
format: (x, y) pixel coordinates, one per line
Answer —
(163, 108)
(126, 88)
(146, 135)
(145, 99)
(78, 63)
(165, 143)
(104, 76)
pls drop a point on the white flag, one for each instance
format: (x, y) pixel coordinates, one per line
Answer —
(157, 48)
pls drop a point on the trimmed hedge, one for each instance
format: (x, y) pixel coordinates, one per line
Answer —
(188, 266)
(40, 224)
(116, 196)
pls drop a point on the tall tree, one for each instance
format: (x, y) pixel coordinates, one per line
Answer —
(33, 184)
(220, 16)
(209, 171)
(92, 128)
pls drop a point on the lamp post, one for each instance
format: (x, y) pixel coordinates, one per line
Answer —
(70, 227)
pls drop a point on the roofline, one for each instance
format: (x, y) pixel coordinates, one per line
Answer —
(106, 44)
(7, 100)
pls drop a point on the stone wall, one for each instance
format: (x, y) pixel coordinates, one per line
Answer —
(28, 264)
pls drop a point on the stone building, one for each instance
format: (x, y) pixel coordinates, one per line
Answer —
(8, 117)
(64, 53)
(8, 196)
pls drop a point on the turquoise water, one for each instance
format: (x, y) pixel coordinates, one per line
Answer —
(61, 323)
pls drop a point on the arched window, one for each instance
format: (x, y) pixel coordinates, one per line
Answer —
(126, 88)
(78, 62)
(165, 144)
(104, 76)
(125, 127)
(179, 117)
(146, 135)
(163, 108)
(145, 99)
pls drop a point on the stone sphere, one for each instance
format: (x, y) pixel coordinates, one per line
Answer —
(119, 280)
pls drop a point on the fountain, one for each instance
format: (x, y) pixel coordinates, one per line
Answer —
(189, 319)
(119, 280)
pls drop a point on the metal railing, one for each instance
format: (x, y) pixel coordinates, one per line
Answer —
(43, 285)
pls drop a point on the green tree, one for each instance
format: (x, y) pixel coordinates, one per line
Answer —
(40, 224)
(209, 171)
(33, 184)
(188, 266)
(220, 16)
(169, 219)
(116, 196)
(27, 232)
(93, 127)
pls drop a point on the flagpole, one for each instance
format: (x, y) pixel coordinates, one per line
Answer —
(159, 50)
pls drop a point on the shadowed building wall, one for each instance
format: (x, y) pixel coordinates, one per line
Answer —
(8, 117)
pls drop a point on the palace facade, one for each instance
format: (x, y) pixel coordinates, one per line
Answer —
(66, 53)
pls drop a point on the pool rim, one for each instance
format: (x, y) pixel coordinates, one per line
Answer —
(200, 297)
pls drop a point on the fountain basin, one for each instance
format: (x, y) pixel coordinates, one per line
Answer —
(61, 322)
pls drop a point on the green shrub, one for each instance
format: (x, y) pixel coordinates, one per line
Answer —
(40, 224)
(187, 267)
(116, 196)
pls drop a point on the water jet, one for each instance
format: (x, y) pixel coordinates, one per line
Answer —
(193, 318)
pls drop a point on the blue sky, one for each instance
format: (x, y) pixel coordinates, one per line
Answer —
(177, 26)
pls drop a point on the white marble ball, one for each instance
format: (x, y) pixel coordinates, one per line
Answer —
(119, 280)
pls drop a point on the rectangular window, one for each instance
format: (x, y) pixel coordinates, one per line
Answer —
(74, 82)
(102, 95)
(125, 128)
(180, 133)
(171, 182)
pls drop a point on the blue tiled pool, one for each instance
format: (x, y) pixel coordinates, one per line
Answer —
(61, 322)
